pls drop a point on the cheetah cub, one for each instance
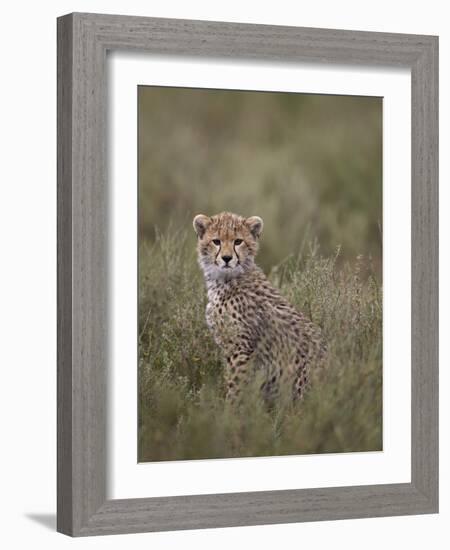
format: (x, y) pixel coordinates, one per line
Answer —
(255, 327)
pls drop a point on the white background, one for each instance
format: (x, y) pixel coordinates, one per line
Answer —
(131, 480)
(28, 268)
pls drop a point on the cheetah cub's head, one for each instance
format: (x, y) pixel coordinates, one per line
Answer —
(227, 244)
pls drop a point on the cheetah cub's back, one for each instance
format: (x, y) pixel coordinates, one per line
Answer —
(253, 324)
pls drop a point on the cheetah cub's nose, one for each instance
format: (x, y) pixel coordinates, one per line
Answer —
(226, 259)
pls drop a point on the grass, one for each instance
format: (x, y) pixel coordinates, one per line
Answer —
(307, 164)
(182, 411)
(311, 167)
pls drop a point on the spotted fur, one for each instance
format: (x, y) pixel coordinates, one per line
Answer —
(254, 325)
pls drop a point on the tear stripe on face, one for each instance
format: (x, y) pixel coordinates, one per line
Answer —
(217, 255)
(237, 255)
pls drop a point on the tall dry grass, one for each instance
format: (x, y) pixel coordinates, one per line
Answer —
(311, 167)
(182, 410)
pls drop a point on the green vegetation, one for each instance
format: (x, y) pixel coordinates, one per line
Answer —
(183, 413)
(311, 167)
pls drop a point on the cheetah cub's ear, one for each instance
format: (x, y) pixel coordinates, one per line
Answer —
(200, 224)
(255, 224)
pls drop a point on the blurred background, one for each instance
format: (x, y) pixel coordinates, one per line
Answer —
(309, 165)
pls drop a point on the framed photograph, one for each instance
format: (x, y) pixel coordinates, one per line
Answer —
(247, 274)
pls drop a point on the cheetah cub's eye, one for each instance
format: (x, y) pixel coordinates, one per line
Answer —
(216, 242)
(237, 242)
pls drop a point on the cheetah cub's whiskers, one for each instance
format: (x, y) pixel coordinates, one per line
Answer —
(255, 327)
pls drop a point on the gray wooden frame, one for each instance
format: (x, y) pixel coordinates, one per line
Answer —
(83, 41)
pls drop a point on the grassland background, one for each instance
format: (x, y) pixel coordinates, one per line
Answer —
(311, 167)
